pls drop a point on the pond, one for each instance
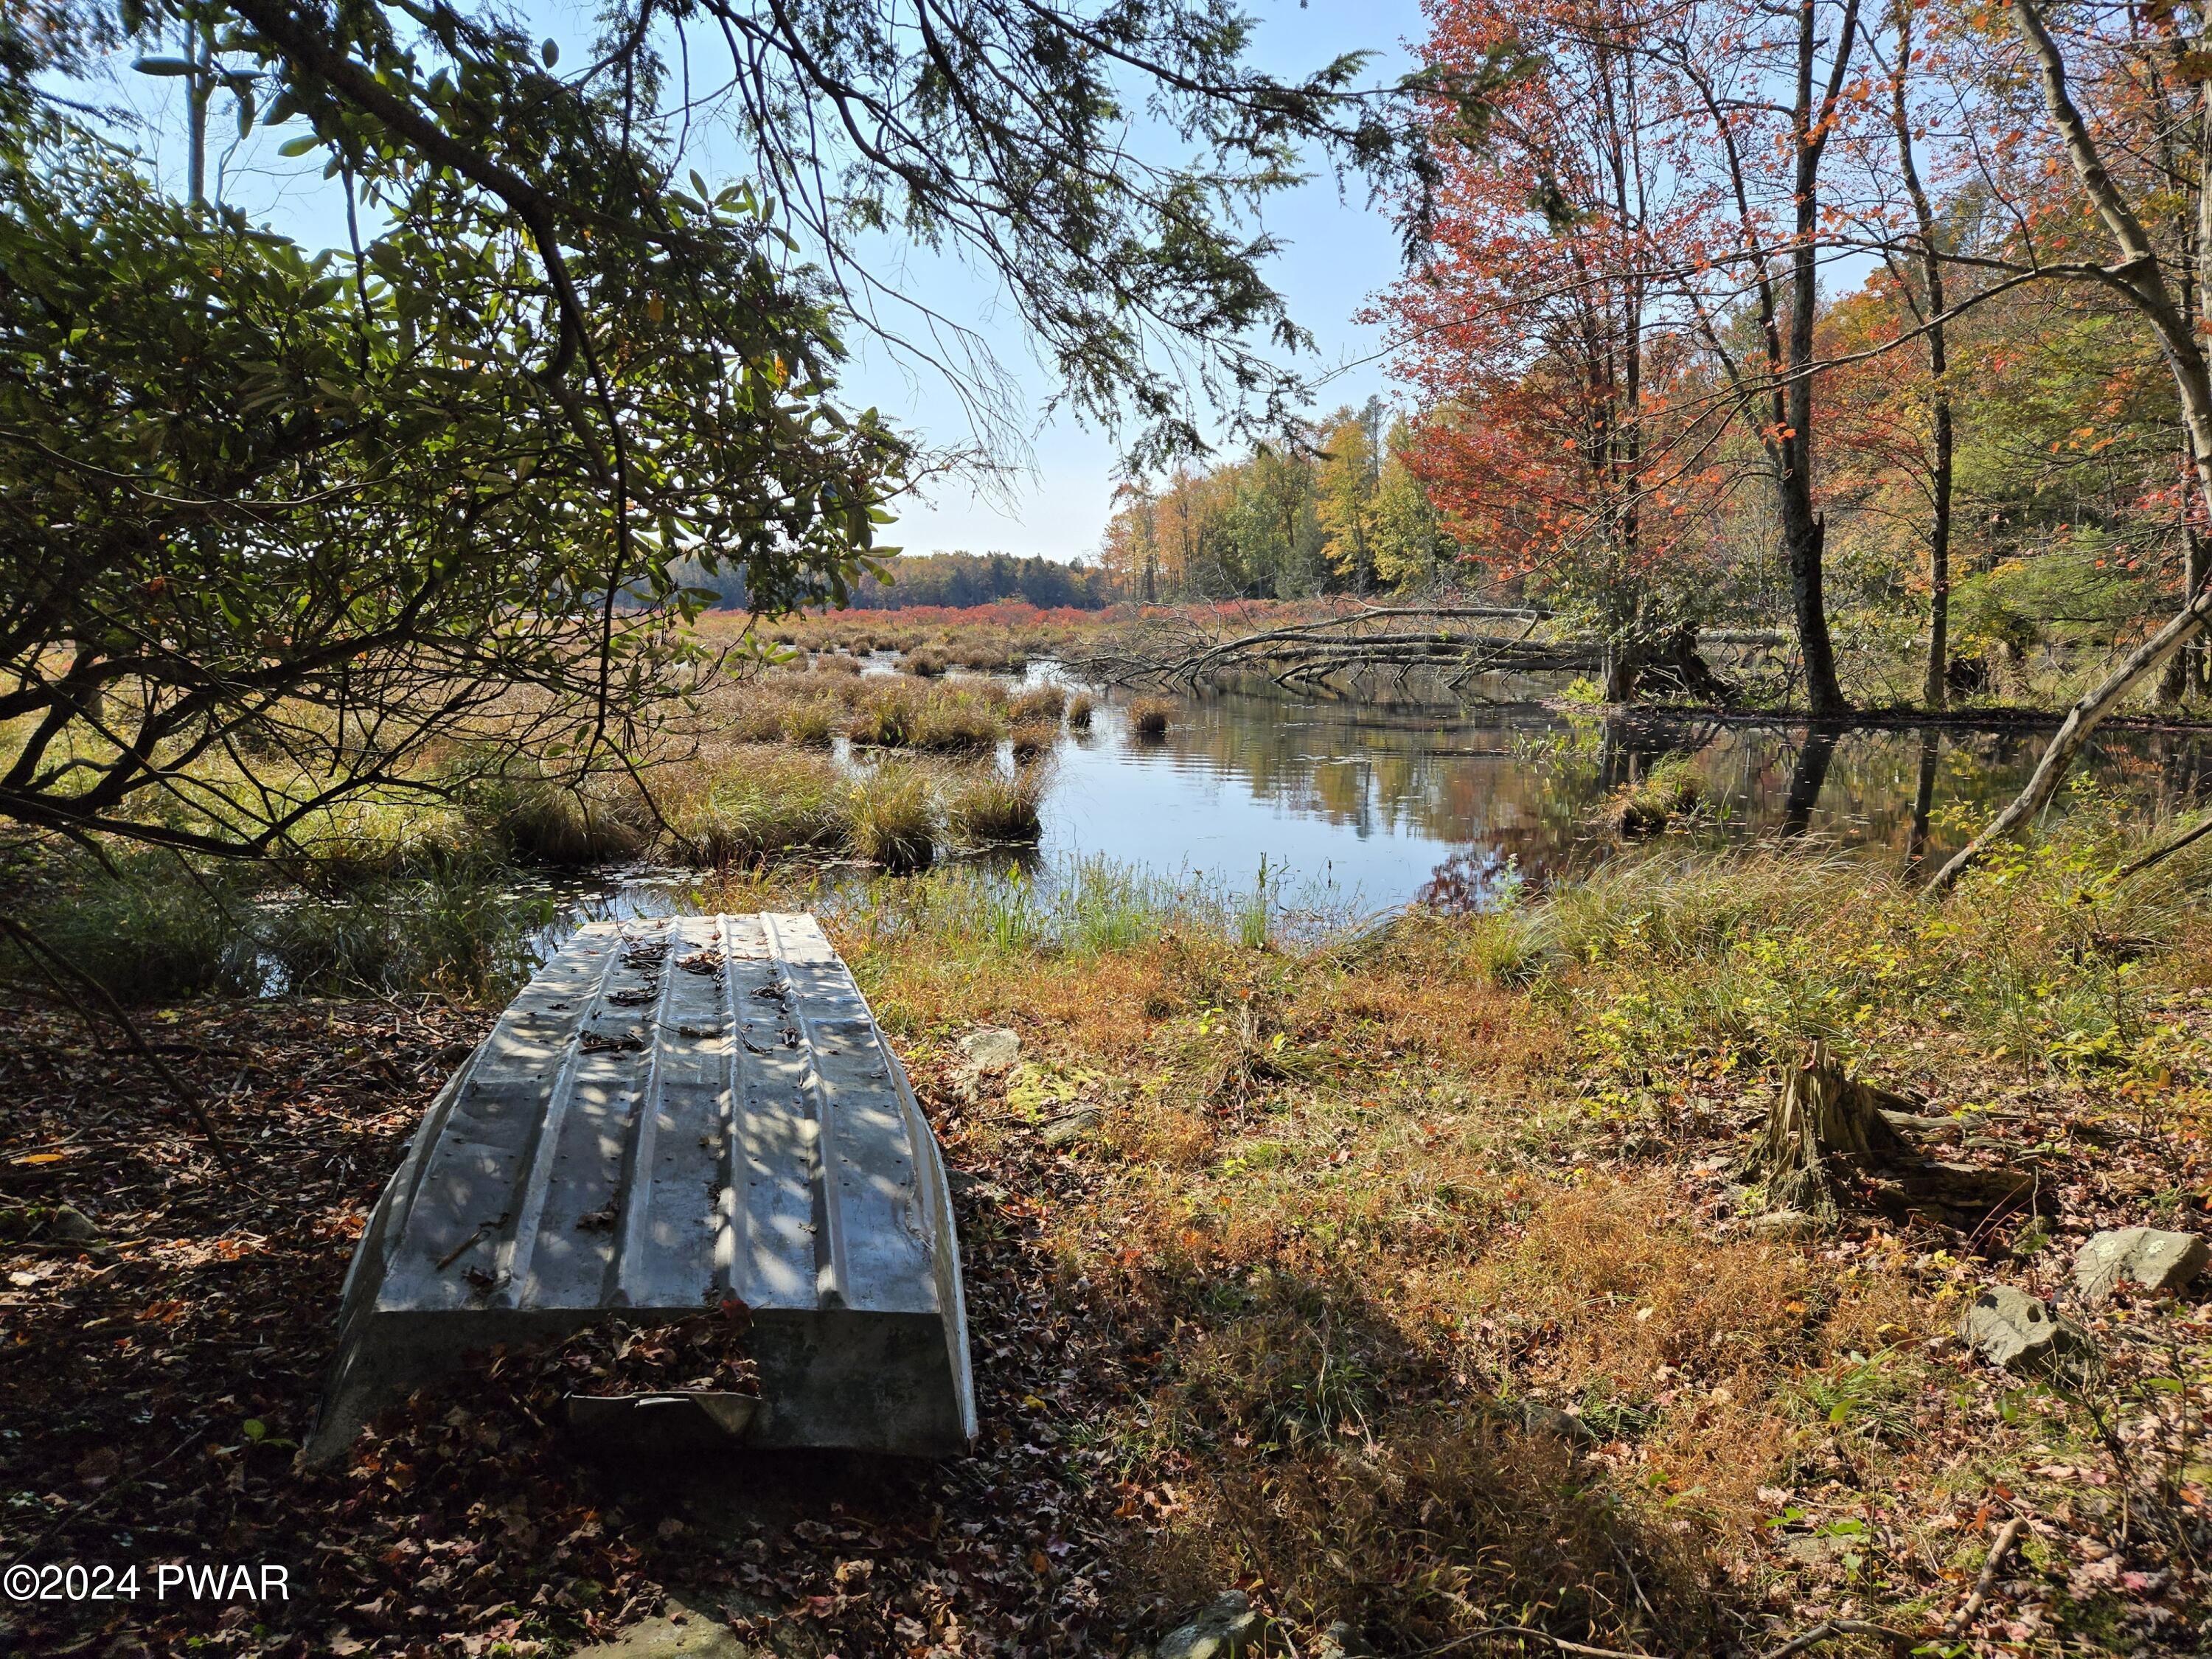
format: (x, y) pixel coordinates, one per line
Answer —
(1390, 801)
(1362, 805)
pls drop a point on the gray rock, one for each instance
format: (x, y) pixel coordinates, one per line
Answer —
(993, 1049)
(2154, 1259)
(1225, 1628)
(1341, 1641)
(2009, 1328)
(1073, 1126)
(72, 1227)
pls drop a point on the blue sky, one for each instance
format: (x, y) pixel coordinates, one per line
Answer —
(1056, 499)
(1340, 252)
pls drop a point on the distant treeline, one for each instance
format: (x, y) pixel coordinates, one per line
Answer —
(959, 579)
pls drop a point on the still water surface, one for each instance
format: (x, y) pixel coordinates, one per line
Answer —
(1364, 805)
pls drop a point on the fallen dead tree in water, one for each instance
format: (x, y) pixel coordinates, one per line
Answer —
(1399, 639)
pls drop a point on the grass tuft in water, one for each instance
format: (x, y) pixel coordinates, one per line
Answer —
(763, 803)
(1040, 703)
(987, 808)
(1034, 738)
(1150, 717)
(893, 814)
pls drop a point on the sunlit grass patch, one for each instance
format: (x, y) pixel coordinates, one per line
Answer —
(812, 724)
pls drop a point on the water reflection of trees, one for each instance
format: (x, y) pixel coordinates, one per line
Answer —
(1525, 786)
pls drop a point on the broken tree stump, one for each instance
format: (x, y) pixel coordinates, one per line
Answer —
(1827, 1126)
(1823, 1117)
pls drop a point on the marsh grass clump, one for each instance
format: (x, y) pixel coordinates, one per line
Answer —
(461, 932)
(953, 722)
(990, 654)
(923, 663)
(1079, 709)
(1032, 739)
(814, 723)
(989, 806)
(984, 688)
(885, 718)
(546, 821)
(155, 928)
(2041, 958)
(1150, 717)
(759, 718)
(892, 813)
(762, 804)
(1039, 702)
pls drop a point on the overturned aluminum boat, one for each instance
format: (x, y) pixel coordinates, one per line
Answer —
(675, 1113)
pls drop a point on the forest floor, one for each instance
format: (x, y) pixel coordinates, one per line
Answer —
(1400, 1279)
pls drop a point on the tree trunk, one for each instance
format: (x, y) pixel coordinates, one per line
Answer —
(1624, 666)
(2184, 670)
(1821, 1117)
(1804, 534)
(1937, 690)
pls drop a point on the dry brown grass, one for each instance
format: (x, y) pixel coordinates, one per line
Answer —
(1335, 1200)
(1354, 1217)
